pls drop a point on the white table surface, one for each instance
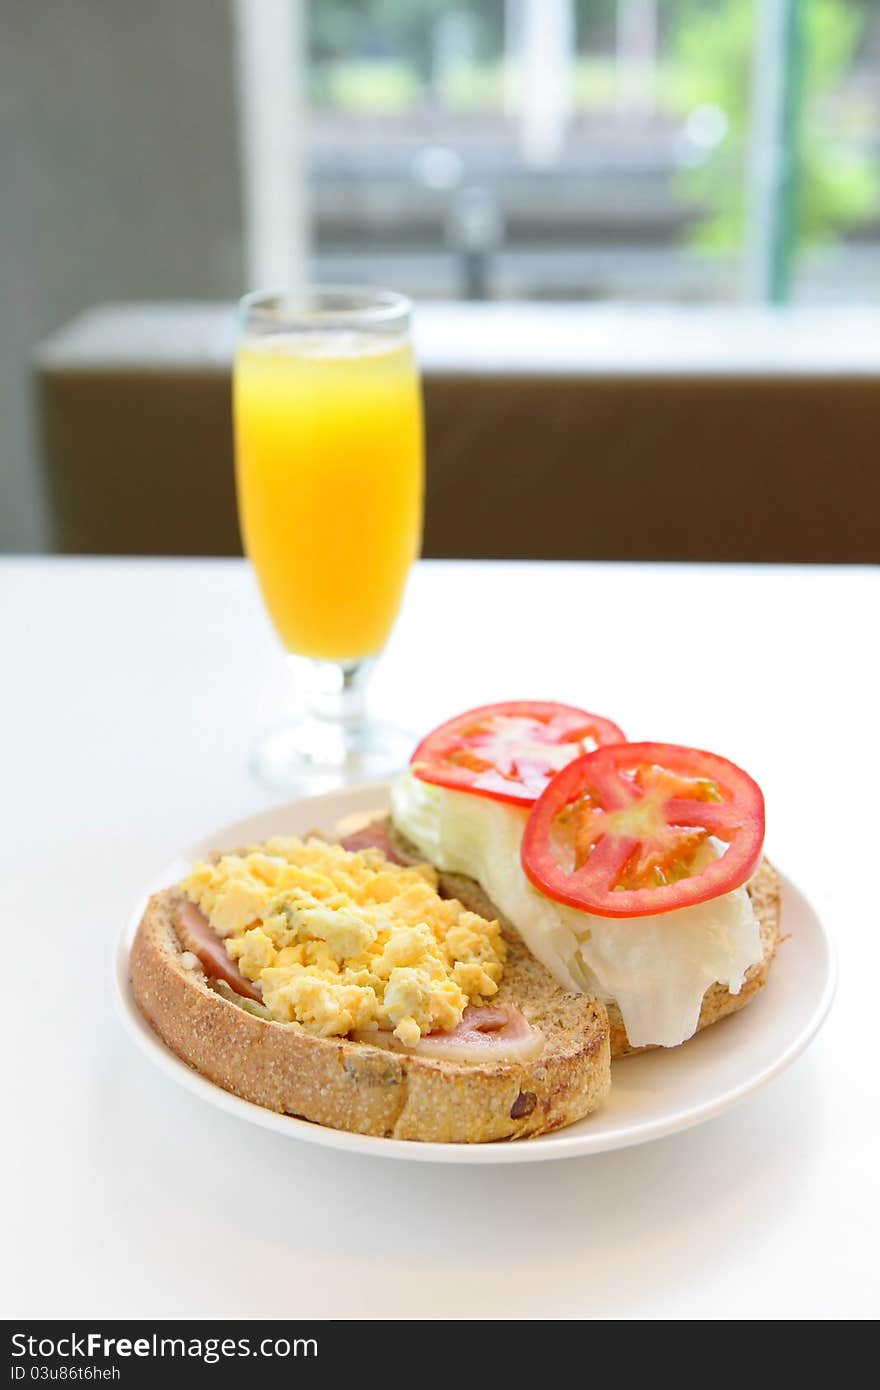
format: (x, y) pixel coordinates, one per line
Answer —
(132, 691)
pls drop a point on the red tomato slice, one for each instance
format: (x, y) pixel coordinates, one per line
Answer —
(620, 831)
(511, 750)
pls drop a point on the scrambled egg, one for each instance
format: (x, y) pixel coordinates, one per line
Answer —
(341, 941)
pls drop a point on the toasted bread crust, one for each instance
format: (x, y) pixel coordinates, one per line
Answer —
(766, 894)
(355, 1086)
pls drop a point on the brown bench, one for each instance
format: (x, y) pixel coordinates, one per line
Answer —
(553, 432)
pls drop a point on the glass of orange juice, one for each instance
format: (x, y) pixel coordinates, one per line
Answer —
(330, 480)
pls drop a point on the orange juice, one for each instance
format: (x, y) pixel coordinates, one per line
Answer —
(329, 464)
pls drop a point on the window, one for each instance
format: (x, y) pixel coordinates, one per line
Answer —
(696, 150)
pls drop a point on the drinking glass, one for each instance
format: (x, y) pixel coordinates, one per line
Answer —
(330, 480)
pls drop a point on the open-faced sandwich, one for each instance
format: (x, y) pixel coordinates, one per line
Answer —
(543, 897)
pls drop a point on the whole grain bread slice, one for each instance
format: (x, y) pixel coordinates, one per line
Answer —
(764, 889)
(355, 1086)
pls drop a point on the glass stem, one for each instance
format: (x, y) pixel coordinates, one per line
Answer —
(338, 695)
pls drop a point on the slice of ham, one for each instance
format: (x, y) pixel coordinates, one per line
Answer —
(375, 835)
(492, 1033)
(197, 935)
(503, 1034)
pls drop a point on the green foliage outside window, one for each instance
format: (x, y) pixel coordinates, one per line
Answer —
(837, 185)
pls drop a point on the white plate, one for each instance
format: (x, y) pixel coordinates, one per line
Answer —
(652, 1095)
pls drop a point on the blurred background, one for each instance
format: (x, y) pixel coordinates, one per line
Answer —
(643, 236)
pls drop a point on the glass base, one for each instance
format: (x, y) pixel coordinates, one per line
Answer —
(318, 755)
